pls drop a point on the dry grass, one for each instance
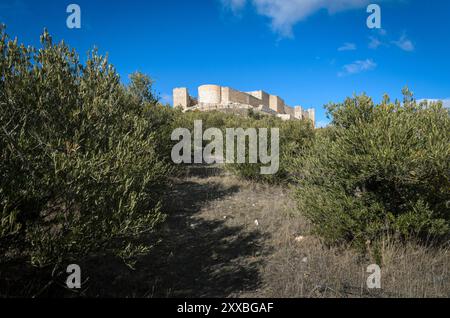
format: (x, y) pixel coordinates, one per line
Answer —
(212, 246)
(293, 263)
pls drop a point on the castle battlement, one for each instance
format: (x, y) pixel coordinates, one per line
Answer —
(215, 97)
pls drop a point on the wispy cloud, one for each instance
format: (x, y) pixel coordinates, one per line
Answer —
(374, 43)
(234, 5)
(347, 47)
(284, 14)
(378, 39)
(404, 43)
(357, 67)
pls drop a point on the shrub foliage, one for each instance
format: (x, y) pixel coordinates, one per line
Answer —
(378, 170)
(295, 137)
(82, 163)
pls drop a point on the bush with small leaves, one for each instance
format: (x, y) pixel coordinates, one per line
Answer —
(378, 170)
(83, 166)
(295, 136)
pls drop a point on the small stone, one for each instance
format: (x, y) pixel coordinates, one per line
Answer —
(256, 222)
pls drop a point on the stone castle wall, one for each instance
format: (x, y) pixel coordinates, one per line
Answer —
(277, 104)
(215, 97)
(262, 96)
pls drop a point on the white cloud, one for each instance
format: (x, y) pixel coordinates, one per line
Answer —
(284, 14)
(405, 44)
(347, 47)
(358, 67)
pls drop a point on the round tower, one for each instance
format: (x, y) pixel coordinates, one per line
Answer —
(210, 94)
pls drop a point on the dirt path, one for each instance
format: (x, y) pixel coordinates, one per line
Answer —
(215, 240)
(225, 237)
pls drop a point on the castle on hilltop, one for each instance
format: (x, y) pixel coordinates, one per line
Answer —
(214, 97)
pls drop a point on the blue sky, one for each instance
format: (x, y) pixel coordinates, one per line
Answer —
(310, 52)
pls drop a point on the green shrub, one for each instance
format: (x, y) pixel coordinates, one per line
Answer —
(83, 166)
(295, 137)
(378, 170)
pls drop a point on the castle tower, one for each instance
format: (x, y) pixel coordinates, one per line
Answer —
(298, 112)
(181, 98)
(312, 116)
(210, 94)
(276, 104)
